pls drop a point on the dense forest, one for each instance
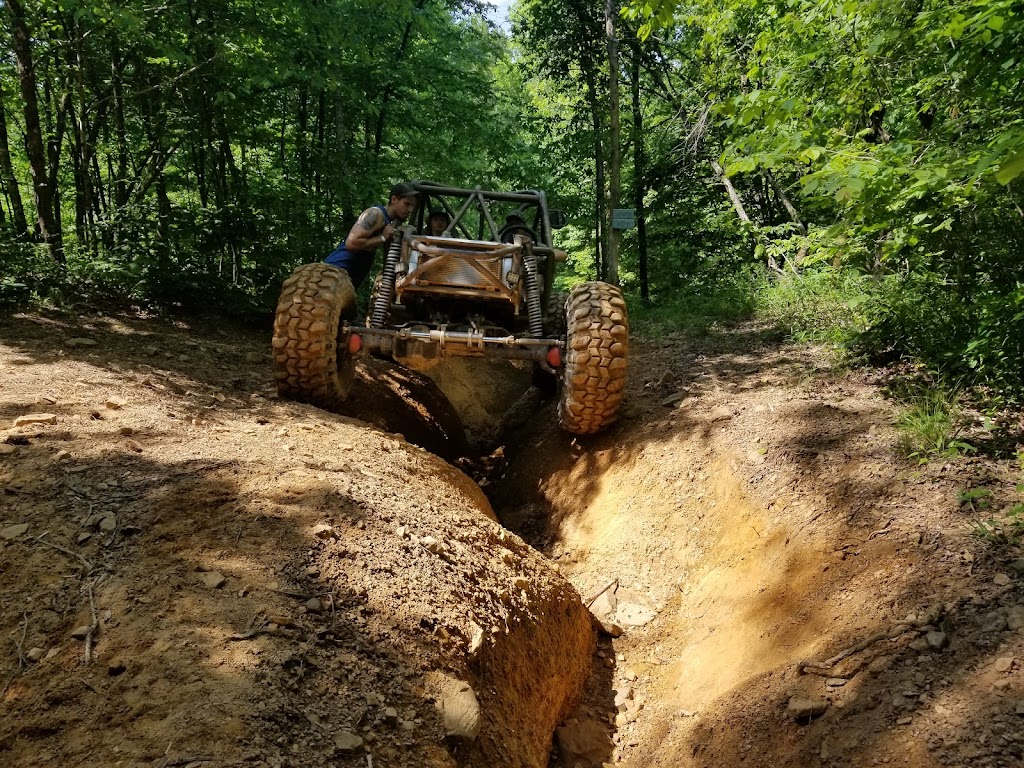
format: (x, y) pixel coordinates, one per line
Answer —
(851, 168)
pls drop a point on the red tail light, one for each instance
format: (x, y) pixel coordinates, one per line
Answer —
(555, 357)
(355, 343)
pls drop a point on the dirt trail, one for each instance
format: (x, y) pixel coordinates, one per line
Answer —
(196, 574)
(747, 514)
(752, 514)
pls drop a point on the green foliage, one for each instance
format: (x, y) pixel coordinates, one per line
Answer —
(1005, 528)
(930, 426)
(976, 338)
(231, 141)
(896, 131)
(820, 305)
(692, 313)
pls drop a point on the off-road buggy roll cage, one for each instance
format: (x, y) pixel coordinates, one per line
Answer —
(478, 289)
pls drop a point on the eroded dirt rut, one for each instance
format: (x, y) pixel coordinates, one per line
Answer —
(751, 515)
(274, 585)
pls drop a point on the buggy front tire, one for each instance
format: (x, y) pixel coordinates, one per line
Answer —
(311, 363)
(597, 349)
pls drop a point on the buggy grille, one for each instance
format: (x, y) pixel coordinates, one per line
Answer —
(456, 272)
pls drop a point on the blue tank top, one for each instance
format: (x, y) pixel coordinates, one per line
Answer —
(357, 263)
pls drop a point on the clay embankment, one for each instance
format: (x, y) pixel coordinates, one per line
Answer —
(195, 573)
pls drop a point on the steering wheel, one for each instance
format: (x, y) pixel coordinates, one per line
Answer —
(508, 234)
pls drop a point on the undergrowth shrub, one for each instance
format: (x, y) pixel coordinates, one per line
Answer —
(825, 305)
(694, 309)
(977, 337)
(930, 426)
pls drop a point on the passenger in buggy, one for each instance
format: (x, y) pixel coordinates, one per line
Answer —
(437, 221)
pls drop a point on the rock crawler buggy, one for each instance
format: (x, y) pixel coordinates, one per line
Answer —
(478, 290)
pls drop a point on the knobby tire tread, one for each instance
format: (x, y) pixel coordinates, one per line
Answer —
(309, 364)
(597, 350)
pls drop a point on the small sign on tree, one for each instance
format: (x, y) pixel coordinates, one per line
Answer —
(623, 218)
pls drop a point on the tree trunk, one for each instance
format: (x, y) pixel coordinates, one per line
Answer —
(321, 119)
(344, 183)
(793, 215)
(9, 181)
(121, 172)
(301, 128)
(389, 87)
(614, 162)
(49, 227)
(639, 174)
(737, 204)
(599, 223)
(81, 130)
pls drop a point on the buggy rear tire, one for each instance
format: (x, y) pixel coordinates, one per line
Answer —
(597, 349)
(311, 363)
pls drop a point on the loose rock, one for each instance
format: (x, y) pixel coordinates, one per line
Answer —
(603, 607)
(623, 693)
(721, 413)
(13, 531)
(476, 637)
(1004, 664)
(994, 622)
(458, 705)
(1015, 617)
(584, 741)
(633, 615)
(346, 740)
(213, 579)
(34, 654)
(1001, 580)
(35, 418)
(313, 605)
(81, 342)
(806, 709)
(82, 632)
(937, 640)
(114, 402)
(323, 531)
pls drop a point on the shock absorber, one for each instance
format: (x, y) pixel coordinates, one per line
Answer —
(533, 309)
(382, 302)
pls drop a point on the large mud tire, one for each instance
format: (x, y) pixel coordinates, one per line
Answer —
(597, 348)
(311, 364)
(554, 320)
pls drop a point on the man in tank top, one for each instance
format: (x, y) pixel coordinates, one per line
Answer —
(372, 229)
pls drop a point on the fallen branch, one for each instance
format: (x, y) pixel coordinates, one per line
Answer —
(59, 548)
(590, 600)
(166, 763)
(21, 656)
(825, 668)
(92, 629)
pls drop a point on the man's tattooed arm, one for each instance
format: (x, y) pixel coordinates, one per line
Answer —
(369, 232)
(371, 219)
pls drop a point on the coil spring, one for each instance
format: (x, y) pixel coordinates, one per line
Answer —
(387, 285)
(533, 308)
